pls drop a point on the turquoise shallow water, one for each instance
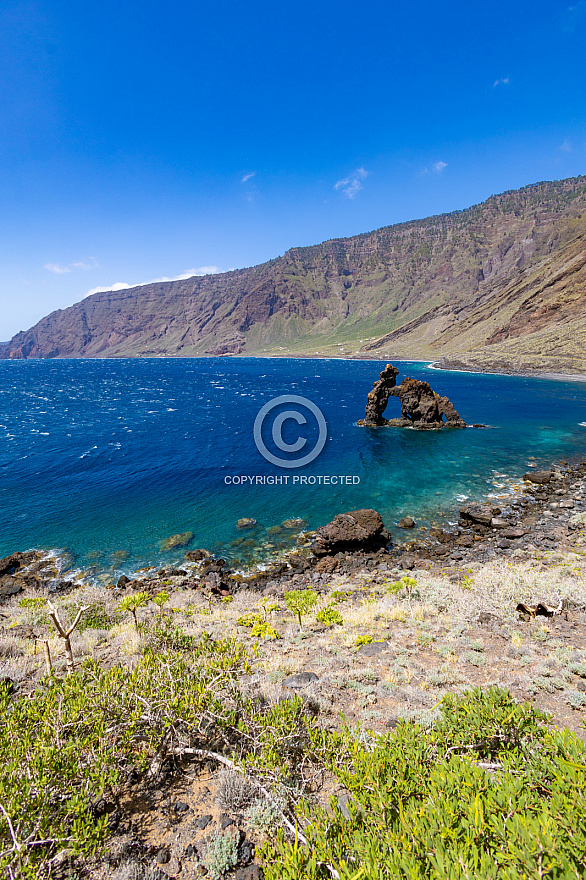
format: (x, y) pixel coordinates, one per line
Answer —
(103, 456)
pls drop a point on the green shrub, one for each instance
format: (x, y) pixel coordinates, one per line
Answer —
(132, 603)
(300, 602)
(161, 599)
(65, 744)
(96, 617)
(221, 854)
(363, 640)
(340, 595)
(32, 602)
(263, 630)
(329, 616)
(405, 583)
(421, 807)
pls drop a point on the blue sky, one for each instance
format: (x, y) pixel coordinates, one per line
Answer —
(156, 139)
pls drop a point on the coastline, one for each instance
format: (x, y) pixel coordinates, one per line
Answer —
(446, 544)
(436, 365)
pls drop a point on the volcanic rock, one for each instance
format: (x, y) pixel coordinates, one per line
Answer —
(478, 513)
(180, 540)
(357, 529)
(377, 399)
(196, 555)
(421, 406)
(538, 476)
(300, 680)
(407, 522)
(514, 533)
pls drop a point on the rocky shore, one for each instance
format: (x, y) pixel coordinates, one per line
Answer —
(543, 517)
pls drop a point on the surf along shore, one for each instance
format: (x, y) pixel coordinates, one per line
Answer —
(393, 623)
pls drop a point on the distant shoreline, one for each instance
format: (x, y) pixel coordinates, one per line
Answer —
(436, 365)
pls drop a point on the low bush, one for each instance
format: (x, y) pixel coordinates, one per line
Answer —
(488, 792)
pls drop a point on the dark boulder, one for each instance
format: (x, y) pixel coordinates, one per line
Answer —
(11, 564)
(357, 529)
(538, 476)
(406, 522)
(481, 513)
(196, 555)
(300, 680)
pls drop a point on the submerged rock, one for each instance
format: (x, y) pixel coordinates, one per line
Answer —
(296, 523)
(179, 540)
(421, 406)
(246, 523)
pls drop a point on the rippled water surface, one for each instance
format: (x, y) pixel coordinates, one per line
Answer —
(108, 458)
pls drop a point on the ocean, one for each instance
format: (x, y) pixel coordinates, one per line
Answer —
(106, 459)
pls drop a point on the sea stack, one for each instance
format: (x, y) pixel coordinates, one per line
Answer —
(421, 406)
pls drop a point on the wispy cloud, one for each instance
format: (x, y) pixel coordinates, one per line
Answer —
(437, 168)
(57, 269)
(248, 176)
(501, 82)
(190, 273)
(353, 183)
(566, 147)
(573, 16)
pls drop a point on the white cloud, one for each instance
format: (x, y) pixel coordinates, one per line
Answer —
(119, 285)
(79, 264)
(437, 167)
(566, 147)
(191, 273)
(248, 176)
(58, 270)
(352, 184)
(501, 82)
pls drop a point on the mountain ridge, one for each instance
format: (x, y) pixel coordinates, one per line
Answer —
(495, 282)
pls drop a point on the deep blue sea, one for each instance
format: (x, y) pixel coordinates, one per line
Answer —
(108, 458)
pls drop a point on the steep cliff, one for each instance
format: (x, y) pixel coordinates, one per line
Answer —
(503, 280)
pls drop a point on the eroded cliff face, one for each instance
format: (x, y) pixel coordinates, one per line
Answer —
(511, 267)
